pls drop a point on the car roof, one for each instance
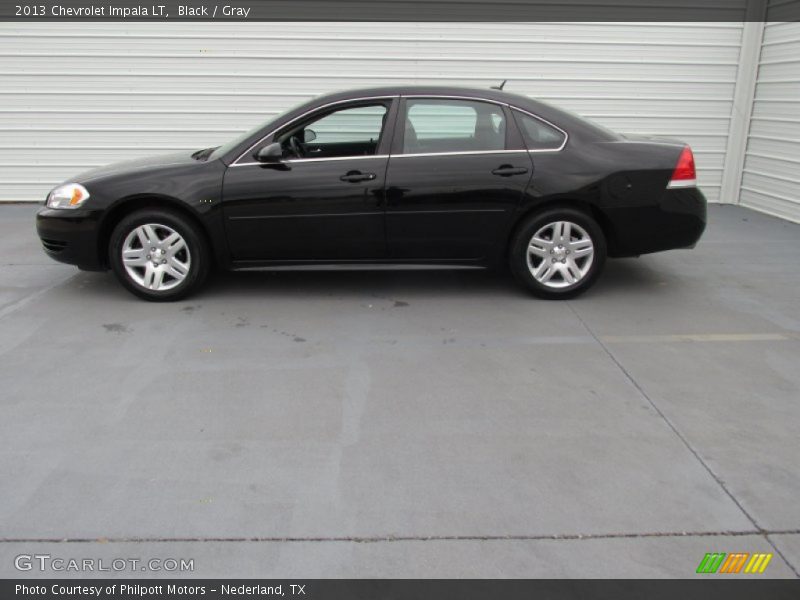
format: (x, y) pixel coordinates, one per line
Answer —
(433, 90)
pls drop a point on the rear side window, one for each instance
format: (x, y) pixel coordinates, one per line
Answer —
(438, 125)
(539, 135)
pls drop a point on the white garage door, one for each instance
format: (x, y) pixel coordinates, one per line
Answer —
(75, 97)
(771, 177)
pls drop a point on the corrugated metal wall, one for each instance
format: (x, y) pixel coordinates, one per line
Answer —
(79, 95)
(771, 177)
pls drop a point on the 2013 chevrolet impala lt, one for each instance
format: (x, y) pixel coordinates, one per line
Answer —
(401, 175)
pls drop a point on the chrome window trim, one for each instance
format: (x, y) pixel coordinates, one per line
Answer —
(326, 158)
(458, 153)
(417, 154)
(236, 162)
(453, 97)
(320, 159)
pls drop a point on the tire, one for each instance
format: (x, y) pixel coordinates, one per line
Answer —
(549, 268)
(176, 269)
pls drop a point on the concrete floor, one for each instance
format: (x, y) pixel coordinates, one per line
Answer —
(403, 424)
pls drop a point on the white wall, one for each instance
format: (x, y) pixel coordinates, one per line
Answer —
(771, 175)
(74, 96)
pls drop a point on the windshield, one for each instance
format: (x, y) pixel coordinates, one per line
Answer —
(227, 147)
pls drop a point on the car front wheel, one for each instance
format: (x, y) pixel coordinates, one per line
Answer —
(558, 253)
(158, 255)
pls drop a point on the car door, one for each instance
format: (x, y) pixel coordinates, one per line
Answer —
(457, 172)
(324, 200)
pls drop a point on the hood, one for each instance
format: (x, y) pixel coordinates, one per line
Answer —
(132, 166)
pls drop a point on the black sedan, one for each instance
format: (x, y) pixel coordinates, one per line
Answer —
(402, 175)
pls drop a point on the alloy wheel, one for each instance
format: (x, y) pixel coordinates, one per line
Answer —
(156, 257)
(560, 254)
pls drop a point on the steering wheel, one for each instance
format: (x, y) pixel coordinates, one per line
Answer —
(296, 147)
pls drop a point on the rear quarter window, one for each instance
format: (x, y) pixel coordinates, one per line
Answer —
(539, 135)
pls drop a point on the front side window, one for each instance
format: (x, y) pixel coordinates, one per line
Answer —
(537, 134)
(353, 131)
(444, 125)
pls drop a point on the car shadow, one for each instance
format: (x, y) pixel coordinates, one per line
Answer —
(359, 282)
(621, 276)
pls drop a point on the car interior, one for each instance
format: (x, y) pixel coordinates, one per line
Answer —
(353, 131)
(453, 126)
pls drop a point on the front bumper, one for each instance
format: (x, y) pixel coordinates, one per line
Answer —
(71, 236)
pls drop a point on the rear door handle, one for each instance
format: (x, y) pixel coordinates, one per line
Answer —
(508, 171)
(356, 176)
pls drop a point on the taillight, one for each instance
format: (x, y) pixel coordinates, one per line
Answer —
(684, 174)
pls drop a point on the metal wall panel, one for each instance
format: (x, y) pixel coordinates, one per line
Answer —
(771, 175)
(79, 95)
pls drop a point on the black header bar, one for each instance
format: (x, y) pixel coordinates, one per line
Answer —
(401, 589)
(402, 10)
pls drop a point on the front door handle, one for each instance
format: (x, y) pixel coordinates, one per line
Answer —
(356, 176)
(509, 170)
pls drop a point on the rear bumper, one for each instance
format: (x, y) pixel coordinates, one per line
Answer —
(71, 236)
(676, 221)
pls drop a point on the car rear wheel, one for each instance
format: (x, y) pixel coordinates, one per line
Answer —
(158, 255)
(558, 253)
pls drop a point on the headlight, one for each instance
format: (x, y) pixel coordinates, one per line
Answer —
(71, 195)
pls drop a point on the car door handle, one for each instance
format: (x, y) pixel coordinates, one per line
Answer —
(508, 171)
(356, 176)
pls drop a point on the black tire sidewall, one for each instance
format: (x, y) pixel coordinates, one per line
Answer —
(518, 260)
(194, 240)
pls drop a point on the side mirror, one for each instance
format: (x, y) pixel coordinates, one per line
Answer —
(309, 135)
(272, 153)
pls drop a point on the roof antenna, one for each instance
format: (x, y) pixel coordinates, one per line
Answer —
(499, 87)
